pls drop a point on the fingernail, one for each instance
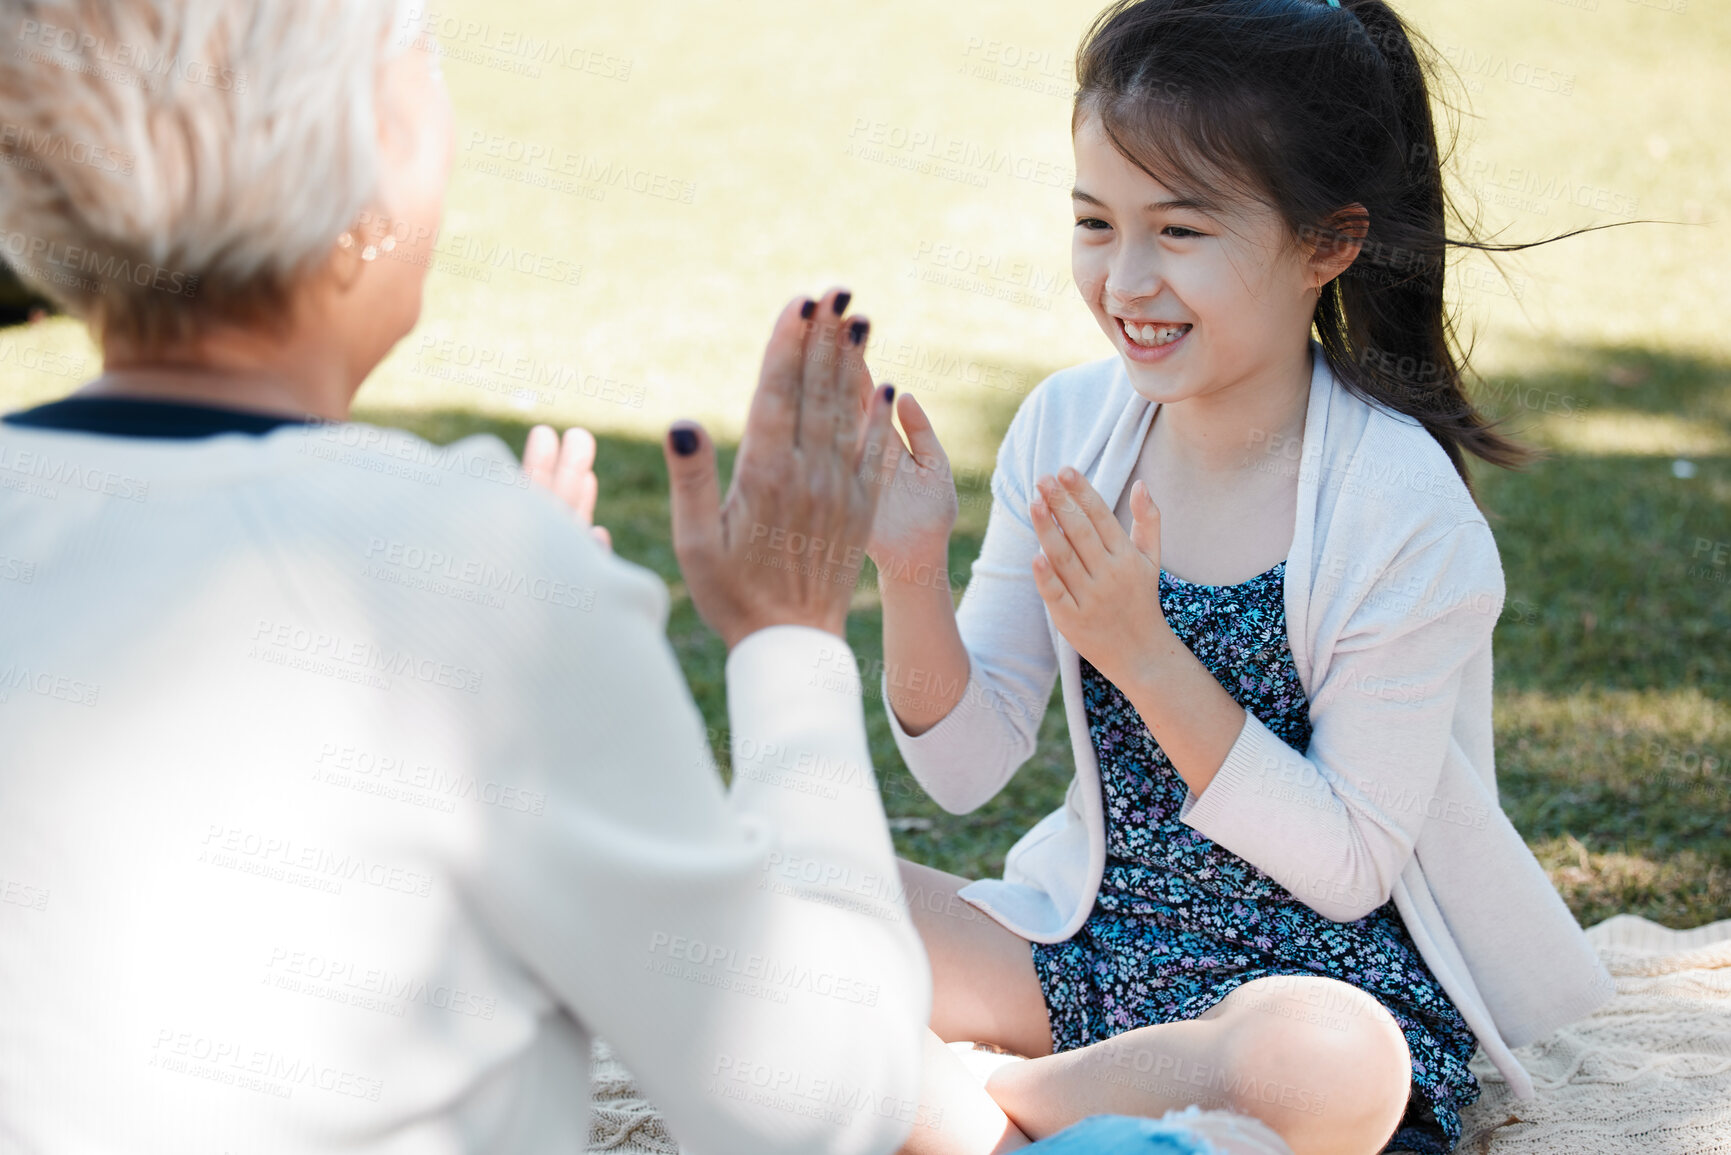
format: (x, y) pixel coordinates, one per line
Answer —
(857, 331)
(808, 310)
(684, 441)
(889, 393)
(841, 302)
(1068, 474)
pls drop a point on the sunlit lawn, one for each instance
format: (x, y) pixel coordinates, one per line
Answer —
(778, 150)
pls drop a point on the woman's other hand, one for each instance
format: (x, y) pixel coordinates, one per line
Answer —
(566, 466)
(786, 546)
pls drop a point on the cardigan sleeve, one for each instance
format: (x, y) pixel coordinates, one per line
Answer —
(1336, 824)
(968, 756)
(721, 940)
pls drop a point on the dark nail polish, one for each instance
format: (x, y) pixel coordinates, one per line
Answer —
(889, 393)
(841, 302)
(807, 310)
(684, 441)
(857, 331)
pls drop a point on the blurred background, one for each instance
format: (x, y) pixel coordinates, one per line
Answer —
(639, 188)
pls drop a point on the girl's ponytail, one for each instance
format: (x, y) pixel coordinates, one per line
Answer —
(1384, 322)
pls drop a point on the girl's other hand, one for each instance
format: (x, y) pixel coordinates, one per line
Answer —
(566, 467)
(917, 505)
(1101, 585)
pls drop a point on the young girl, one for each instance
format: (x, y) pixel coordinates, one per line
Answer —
(1281, 883)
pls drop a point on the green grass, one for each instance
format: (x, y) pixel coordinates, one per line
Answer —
(1614, 736)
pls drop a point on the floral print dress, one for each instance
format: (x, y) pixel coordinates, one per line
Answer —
(1180, 921)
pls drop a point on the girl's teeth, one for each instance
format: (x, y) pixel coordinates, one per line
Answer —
(1155, 335)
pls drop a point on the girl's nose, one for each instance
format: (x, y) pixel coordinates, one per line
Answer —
(1132, 277)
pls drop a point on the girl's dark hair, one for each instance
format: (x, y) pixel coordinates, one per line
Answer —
(1310, 108)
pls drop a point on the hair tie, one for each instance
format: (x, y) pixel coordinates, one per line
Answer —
(1334, 3)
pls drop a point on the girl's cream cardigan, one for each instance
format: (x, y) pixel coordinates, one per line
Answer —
(1393, 586)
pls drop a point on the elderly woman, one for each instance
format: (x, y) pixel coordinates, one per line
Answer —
(352, 784)
(347, 783)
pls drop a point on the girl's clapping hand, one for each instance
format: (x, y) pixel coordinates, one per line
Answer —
(1101, 585)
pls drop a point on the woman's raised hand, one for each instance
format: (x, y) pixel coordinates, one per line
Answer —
(785, 547)
(566, 466)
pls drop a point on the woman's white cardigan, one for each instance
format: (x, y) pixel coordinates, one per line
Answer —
(347, 788)
(1392, 588)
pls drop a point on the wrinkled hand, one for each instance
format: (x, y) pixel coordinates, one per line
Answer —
(786, 546)
(1101, 585)
(567, 468)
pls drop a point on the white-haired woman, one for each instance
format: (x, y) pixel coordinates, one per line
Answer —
(351, 785)
(346, 785)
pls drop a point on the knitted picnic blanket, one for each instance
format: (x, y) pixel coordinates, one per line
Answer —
(1649, 1073)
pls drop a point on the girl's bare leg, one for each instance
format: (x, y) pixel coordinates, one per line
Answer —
(1333, 1082)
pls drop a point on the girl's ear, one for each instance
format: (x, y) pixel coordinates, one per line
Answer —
(1334, 246)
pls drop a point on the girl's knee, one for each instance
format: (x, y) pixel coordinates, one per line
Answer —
(1319, 1060)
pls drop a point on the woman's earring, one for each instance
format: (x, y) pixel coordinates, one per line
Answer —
(346, 242)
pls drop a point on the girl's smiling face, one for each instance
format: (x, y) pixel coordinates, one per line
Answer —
(1196, 297)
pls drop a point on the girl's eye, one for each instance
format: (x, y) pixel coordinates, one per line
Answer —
(1180, 233)
(1091, 223)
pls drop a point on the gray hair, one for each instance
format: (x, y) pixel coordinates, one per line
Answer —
(168, 163)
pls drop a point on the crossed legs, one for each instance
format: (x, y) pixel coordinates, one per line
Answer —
(1334, 1084)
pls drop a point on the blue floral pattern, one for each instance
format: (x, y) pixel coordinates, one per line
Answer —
(1181, 921)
